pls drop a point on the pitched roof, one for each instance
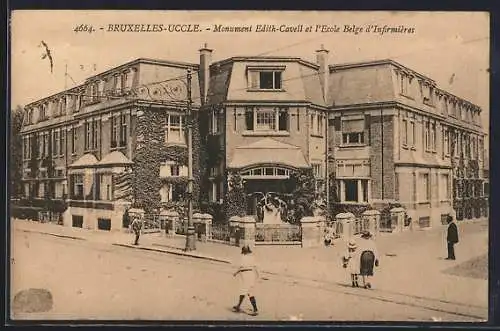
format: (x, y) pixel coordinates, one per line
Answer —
(115, 158)
(268, 151)
(85, 161)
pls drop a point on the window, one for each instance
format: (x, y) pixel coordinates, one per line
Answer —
(270, 80)
(62, 142)
(74, 138)
(214, 122)
(404, 132)
(275, 172)
(486, 189)
(424, 188)
(114, 130)
(88, 135)
(95, 134)
(174, 132)
(354, 190)
(481, 149)
(27, 147)
(78, 187)
(174, 170)
(427, 92)
(123, 130)
(43, 112)
(412, 134)
(46, 139)
(353, 132)
(445, 187)
(55, 142)
(427, 136)
(446, 142)
(105, 185)
(433, 137)
(266, 119)
(316, 124)
(317, 170)
(403, 84)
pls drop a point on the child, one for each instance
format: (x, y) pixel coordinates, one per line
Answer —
(368, 258)
(350, 260)
(248, 274)
(328, 236)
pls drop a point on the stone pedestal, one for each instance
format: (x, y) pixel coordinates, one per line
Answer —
(234, 224)
(397, 219)
(347, 221)
(247, 231)
(198, 225)
(311, 236)
(206, 220)
(373, 218)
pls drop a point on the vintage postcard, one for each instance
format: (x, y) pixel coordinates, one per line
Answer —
(249, 166)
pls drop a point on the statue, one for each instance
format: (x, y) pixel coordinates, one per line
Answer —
(271, 209)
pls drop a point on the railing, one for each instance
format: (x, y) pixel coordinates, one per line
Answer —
(221, 232)
(151, 223)
(335, 228)
(360, 225)
(278, 233)
(49, 217)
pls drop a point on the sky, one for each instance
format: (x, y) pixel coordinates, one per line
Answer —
(450, 47)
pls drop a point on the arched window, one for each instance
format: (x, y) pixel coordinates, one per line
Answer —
(267, 172)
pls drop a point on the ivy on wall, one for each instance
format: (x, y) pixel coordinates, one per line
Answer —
(235, 202)
(151, 151)
(467, 185)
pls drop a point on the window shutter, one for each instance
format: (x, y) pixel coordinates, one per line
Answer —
(367, 128)
(254, 79)
(337, 123)
(249, 119)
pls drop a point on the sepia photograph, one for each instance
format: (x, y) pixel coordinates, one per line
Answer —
(249, 166)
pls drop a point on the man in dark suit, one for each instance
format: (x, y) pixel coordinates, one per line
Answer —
(452, 237)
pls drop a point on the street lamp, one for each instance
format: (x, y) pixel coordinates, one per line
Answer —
(190, 235)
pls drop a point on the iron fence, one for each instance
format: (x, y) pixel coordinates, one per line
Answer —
(221, 232)
(360, 225)
(285, 233)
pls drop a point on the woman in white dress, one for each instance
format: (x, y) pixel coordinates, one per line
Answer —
(247, 276)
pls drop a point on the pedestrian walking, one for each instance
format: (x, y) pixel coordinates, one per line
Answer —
(367, 255)
(136, 227)
(349, 260)
(328, 238)
(247, 276)
(452, 237)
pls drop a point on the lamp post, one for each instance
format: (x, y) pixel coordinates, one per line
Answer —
(190, 235)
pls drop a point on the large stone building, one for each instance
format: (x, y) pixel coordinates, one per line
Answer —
(376, 131)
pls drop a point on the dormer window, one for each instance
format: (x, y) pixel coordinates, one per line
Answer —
(266, 78)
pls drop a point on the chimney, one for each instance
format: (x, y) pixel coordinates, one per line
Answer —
(322, 61)
(205, 61)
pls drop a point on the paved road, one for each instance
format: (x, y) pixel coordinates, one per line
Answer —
(92, 280)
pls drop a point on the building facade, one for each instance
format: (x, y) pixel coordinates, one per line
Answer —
(374, 131)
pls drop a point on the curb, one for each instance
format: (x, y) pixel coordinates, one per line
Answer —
(174, 252)
(54, 234)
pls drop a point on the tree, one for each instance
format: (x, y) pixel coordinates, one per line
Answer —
(303, 195)
(16, 150)
(235, 202)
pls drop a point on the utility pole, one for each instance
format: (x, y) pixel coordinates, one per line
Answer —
(190, 235)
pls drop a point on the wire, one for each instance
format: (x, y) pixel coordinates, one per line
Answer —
(184, 76)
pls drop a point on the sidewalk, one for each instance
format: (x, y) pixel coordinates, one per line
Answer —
(411, 262)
